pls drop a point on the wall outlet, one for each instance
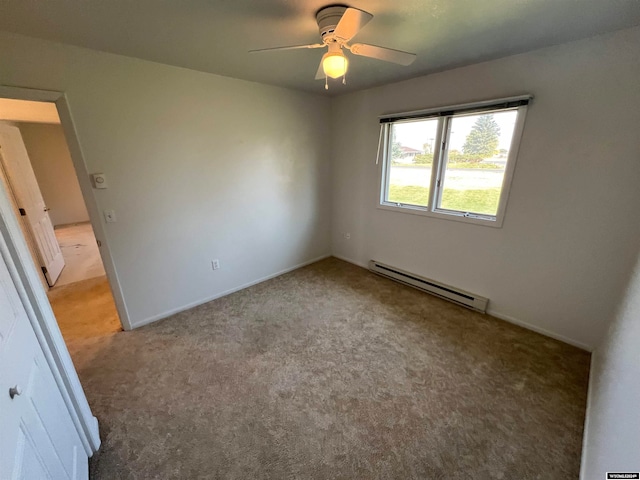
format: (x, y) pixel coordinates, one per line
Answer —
(215, 264)
(347, 236)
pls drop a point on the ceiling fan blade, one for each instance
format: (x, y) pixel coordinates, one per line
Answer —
(320, 73)
(292, 47)
(351, 22)
(382, 53)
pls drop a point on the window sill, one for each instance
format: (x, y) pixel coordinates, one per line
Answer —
(443, 215)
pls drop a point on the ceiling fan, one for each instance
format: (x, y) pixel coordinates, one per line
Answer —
(338, 25)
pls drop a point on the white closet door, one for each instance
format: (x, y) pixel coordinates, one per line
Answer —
(38, 439)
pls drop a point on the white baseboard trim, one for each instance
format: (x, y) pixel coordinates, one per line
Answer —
(542, 331)
(173, 311)
(354, 262)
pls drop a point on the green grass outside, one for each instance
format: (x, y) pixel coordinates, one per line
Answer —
(474, 201)
(473, 166)
(455, 165)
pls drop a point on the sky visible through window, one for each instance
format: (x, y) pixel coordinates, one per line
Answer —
(416, 134)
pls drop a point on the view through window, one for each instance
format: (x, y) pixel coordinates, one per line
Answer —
(412, 148)
(452, 164)
(476, 161)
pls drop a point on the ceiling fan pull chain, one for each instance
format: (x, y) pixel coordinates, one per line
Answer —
(326, 83)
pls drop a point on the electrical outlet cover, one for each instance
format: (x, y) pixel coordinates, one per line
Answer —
(110, 216)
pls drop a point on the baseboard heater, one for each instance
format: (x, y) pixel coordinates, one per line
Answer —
(455, 295)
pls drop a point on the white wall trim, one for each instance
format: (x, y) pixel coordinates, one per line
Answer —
(587, 416)
(507, 318)
(20, 93)
(542, 331)
(197, 303)
(95, 217)
(34, 298)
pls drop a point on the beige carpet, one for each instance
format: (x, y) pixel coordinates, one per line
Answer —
(331, 372)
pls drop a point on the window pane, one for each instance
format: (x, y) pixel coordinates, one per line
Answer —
(476, 160)
(410, 161)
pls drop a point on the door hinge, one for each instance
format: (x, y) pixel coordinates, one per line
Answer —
(23, 212)
(44, 270)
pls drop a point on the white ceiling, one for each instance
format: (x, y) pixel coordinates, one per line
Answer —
(26, 111)
(215, 35)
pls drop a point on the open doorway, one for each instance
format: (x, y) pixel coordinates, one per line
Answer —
(37, 171)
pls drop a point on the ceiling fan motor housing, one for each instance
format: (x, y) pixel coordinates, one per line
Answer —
(328, 18)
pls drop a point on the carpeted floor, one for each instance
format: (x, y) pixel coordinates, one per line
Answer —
(331, 372)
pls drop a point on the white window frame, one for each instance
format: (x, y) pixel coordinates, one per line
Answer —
(444, 116)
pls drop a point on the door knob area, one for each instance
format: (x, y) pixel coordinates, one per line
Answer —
(13, 391)
(46, 209)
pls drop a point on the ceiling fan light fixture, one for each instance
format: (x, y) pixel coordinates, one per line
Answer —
(338, 24)
(334, 64)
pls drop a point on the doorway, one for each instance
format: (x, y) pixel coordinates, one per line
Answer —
(39, 174)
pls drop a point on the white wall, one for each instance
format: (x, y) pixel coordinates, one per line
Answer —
(561, 259)
(52, 165)
(613, 417)
(202, 167)
(199, 167)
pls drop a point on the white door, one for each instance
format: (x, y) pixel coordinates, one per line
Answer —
(33, 211)
(38, 439)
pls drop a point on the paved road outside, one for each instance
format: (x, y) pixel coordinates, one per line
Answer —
(459, 179)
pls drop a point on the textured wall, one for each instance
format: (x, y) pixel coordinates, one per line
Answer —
(51, 162)
(562, 257)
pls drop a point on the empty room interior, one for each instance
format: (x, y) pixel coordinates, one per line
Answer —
(277, 239)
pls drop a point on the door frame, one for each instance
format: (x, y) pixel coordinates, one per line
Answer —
(26, 278)
(14, 250)
(82, 173)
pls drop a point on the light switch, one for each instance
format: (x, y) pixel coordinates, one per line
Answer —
(110, 216)
(99, 180)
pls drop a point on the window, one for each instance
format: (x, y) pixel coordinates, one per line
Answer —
(454, 162)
